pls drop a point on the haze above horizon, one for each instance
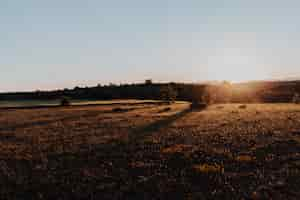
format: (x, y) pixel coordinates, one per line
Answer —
(60, 44)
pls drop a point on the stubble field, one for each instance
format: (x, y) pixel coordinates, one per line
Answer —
(151, 151)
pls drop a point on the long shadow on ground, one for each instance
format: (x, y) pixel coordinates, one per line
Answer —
(126, 171)
(150, 129)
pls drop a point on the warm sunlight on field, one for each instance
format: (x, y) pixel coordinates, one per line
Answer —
(130, 100)
(151, 151)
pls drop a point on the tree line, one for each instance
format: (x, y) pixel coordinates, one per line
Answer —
(263, 91)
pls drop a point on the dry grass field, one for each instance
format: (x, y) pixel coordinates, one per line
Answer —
(146, 151)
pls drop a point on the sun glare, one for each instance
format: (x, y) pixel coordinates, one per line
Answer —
(240, 74)
(234, 66)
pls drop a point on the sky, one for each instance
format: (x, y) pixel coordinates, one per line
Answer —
(64, 43)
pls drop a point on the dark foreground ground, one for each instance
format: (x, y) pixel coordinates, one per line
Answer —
(151, 152)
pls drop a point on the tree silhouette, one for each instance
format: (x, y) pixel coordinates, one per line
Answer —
(296, 98)
(168, 93)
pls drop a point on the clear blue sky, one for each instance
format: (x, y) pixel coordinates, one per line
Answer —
(64, 43)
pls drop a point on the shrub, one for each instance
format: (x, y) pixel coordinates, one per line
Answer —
(242, 106)
(65, 101)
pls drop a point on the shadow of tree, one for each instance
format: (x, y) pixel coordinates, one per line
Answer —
(142, 132)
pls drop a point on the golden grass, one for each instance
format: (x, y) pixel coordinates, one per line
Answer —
(95, 142)
(178, 148)
(245, 158)
(208, 168)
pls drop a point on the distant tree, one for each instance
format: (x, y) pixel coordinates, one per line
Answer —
(225, 92)
(38, 93)
(112, 85)
(196, 93)
(197, 97)
(168, 93)
(296, 98)
(76, 88)
(202, 96)
(148, 82)
(209, 95)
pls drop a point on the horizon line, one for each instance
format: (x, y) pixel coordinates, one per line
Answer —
(154, 82)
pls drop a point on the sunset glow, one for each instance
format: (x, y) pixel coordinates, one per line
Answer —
(58, 44)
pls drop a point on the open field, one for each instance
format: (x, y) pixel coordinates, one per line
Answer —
(149, 152)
